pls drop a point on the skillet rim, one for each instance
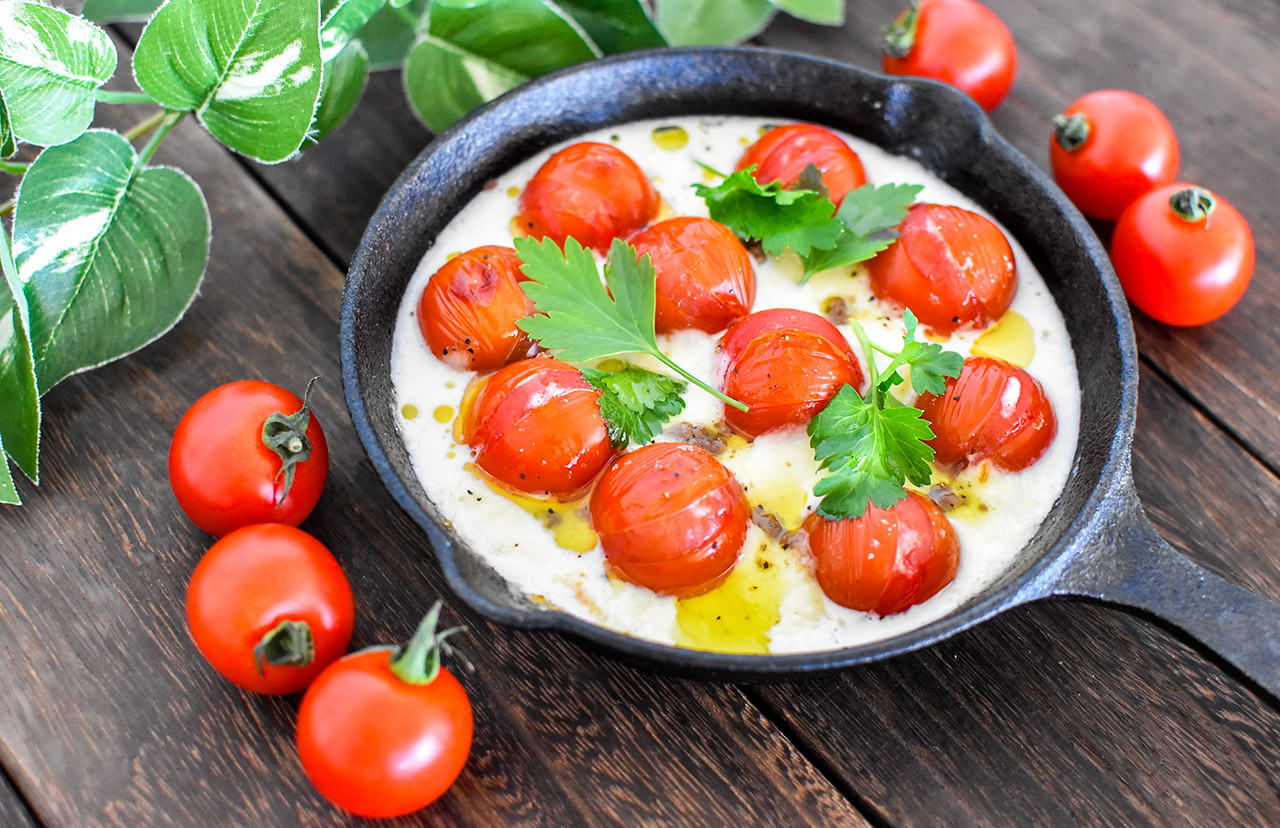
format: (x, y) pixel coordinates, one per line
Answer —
(1010, 590)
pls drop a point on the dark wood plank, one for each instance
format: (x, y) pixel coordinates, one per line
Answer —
(14, 812)
(111, 718)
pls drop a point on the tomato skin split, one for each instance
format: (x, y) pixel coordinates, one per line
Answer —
(469, 309)
(591, 191)
(887, 560)
(670, 517)
(783, 153)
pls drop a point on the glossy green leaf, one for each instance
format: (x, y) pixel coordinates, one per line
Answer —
(390, 34)
(823, 12)
(342, 23)
(110, 254)
(8, 146)
(712, 22)
(51, 65)
(20, 414)
(8, 492)
(249, 69)
(111, 11)
(615, 25)
(344, 81)
(474, 50)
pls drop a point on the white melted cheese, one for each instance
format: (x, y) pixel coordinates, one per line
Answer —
(777, 470)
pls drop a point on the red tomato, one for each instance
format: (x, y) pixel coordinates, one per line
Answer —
(784, 152)
(1108, 148)
(887, 560)
(224, 474)
(469, 309)
(592, 192)
(269, 607)
(1183, 254)
(960, 42)
(380, 734)
(951, 266)
(670, 517)
(536, 427)
(992, 411)
(786, 365)
(705, 277)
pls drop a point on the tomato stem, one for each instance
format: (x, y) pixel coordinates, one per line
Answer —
(418, 661)
(1192, 204)
(288, 644)
(899, 37)
(1071, 131)
(286, 435)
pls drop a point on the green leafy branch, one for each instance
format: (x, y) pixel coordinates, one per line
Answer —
(105, 251)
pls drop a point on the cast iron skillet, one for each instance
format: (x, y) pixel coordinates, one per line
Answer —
(1096, 542)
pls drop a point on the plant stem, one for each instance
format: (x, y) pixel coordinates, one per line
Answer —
(167, 123)
(667, 361)
(143, 127)
(6, 208)
(14, 167)
(109, 96)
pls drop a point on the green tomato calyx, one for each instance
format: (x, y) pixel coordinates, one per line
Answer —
(899, 37)
(1071, 131)
(286, 435)
(288, 644)
(1192, 204)
(418, 660)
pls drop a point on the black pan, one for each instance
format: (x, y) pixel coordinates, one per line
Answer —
(1096, 542)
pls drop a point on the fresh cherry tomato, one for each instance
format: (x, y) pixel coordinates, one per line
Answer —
(1183, 254)
(1108, 148)
(536, 427)
(469, 309)
(785, 365)
(951, 266)
(227, 472)
(783, 153)
(383, 732)
(670, 517)
(993, 411)
(589, 191)
(705, 277)
(960, 42)
(887, 560)
(269, 607)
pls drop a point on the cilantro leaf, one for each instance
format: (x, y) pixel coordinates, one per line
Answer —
(635, 403)
(868, 216)
(778, 218)
(872, 445)
(578, 317)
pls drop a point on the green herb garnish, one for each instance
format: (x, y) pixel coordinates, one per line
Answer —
(579, 318)
(871, 445)
(635, 403)
(869, 215)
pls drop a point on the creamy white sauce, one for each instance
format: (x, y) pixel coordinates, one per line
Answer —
(777, 469)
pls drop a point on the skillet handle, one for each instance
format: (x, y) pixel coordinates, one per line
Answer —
(1138, 570)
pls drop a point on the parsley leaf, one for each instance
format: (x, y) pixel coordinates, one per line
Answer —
(872, 445)
(635, 403)
(575, 314)
(778, 218)
(869, 215)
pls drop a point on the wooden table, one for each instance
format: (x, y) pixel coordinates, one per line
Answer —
(1053, 714)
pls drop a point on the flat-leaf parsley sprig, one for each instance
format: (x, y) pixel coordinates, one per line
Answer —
(871, 445)
(805, 220)
(575, 314)
(635, 403)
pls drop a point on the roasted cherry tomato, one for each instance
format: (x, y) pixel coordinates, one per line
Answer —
(785, 365)
(888, 560)
(960, 42)
(951, 266)
(670, 517)
(589, 191)
(993, 411)
(705, 277)
(469, 309)
(783, 153)
(1108, 148)
(383, 732)
(247, 452)
(1183, 254)
(269, 607)
(536, 427)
